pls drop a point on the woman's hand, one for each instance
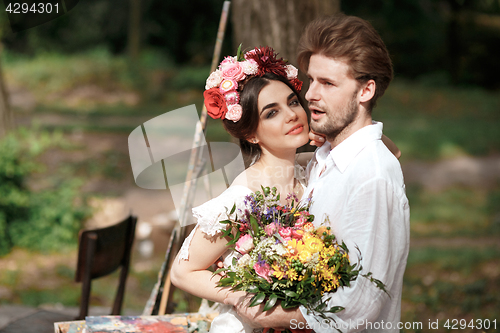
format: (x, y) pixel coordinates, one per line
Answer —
(392, 146)
(316, 139)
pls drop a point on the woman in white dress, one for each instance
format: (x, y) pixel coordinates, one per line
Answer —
(271, 124)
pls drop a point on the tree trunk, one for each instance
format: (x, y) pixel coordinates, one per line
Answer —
(134, 31)
(6, 122)
(276, 23)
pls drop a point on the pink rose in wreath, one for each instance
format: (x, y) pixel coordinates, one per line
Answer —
(233, 72)
(234, 112)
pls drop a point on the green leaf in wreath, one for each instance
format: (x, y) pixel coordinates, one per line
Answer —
(239, 54)
(270, 302)
(257, 299)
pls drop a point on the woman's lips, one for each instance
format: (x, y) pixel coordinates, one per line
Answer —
(296, 130)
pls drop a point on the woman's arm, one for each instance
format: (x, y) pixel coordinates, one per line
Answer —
(392, 146)
(193, 275)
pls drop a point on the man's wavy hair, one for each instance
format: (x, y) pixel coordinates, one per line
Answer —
(353, 40)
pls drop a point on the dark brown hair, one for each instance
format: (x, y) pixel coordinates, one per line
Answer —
(351, 39)
(246, 127)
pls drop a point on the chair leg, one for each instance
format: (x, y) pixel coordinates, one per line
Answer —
(85, 300)
(87, 277)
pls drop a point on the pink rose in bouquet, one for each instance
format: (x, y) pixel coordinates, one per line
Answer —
(244, 244)
(263, 270)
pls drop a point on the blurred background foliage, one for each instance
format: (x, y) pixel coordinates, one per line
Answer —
(77, 78)
(437, 41)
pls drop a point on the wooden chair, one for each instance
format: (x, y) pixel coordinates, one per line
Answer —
(101, 252)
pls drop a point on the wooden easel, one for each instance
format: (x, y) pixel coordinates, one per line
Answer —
(160, 298)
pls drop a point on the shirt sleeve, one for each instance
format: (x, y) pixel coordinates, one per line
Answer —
(373, 221)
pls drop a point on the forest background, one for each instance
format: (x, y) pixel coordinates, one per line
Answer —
(76, 86)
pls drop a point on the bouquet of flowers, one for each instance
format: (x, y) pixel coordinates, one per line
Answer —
(282, 256)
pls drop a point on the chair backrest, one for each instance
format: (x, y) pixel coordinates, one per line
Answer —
(101, 252)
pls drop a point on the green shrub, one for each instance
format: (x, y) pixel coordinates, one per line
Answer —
(46, 219)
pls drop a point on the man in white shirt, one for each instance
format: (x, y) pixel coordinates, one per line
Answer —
(355, 182)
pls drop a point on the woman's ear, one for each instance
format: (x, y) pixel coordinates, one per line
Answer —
(253, 140)
(367, 91)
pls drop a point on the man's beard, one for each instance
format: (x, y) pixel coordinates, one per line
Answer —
(337, 120)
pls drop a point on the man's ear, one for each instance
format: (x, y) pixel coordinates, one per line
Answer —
(367, 91)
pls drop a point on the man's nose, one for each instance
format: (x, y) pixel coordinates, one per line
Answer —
(312, 92)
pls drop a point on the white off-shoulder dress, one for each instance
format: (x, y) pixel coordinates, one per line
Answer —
(208, 215)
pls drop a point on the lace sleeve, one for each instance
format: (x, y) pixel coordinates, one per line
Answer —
(211, 212)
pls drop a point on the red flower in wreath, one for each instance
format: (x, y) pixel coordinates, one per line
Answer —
(266, 59)
(215, 103)
(297, 84)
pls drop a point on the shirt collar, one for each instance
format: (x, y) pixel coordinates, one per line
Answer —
(347, 150)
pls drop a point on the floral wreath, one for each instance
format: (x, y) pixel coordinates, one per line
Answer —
(221, 90)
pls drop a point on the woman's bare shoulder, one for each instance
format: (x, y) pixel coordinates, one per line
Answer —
(246, 178)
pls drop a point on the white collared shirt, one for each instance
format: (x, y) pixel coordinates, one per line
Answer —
(358, 189)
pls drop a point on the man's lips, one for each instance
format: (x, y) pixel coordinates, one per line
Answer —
(316, 114)
(296, 130)
(315, 110)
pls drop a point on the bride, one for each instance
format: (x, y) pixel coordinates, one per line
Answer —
(261, 107)
(257, 98)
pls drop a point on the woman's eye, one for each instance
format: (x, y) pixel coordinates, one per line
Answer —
(271, 113)
(294, 102)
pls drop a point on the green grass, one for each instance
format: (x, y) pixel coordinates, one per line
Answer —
(454, 212)
(451, 283)
(439, 122)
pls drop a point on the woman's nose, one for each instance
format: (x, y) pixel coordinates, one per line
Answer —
(291, 115)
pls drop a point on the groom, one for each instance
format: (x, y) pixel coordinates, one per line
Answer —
(355, 182)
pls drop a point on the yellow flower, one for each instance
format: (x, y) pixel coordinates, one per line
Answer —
(305, 255)
(294, 247)
(313, 244)
(292, 274)
(277, 271)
